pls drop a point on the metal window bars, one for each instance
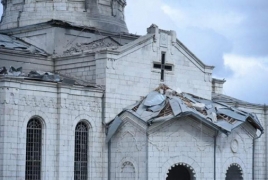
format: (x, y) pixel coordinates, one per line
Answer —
(33, 150)
(81, 149)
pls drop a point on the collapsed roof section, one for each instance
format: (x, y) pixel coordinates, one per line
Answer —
(13, 43)
(164, 104)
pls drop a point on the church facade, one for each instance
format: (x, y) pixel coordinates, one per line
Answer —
(81, 98)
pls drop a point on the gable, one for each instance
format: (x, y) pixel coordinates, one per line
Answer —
(143, 59)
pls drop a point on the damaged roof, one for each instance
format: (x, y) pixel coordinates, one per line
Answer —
(164, 104)
(36, 75)
(13, 43)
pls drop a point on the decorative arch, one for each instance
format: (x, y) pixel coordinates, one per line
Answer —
(184, 160)
(183, 170)
(130, 164)
(234, 172)
(44, 118)
(85, 118)
(127, 171)
(126, 136)
(239, 163)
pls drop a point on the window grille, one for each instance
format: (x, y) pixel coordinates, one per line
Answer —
(81, 149)
(33, 150)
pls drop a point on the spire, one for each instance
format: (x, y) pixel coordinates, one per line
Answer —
(106, 15)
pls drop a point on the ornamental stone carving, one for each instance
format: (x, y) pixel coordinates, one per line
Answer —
(35, 101)
(234, 145)
(91, 46)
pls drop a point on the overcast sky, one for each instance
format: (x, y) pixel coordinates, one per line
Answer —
(231, 35)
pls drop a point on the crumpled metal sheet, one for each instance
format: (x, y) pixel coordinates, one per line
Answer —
(11, 72)
(175, 106)
(113, 128)
(158, 107)
(154, 98)
(232, 114)
(15, 71)
(3, 70)
(227, 126)
(45, 76)
(218, 115)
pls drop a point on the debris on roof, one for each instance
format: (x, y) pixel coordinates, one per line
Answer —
(3, 70)
(13, 43)
(164, 104)
(44, 76)
(11, 72)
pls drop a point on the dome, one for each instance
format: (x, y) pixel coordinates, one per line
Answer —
(106, 15)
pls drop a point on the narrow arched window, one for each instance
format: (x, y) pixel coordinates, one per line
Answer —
(80, 152)
(33, 150)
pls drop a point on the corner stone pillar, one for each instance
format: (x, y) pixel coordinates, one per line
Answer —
(92, 6)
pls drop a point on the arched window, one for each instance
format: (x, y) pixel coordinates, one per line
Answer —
(181, 171)
(234, 172)
(80, 152)
(33, 150)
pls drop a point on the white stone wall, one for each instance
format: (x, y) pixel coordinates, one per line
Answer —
(84, 68)
(27, 61)
(128, 151)
(130, 75)
(235, 149)
(60, 109)
(183, 140)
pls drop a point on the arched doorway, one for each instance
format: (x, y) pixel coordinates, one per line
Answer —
(234, 172)
(180, 172)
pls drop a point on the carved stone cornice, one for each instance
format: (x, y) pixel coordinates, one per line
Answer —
(16, 99)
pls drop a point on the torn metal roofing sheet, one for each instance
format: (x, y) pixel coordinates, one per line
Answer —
(13, 43)
(113, 128)
(11, 72)
(164, 104)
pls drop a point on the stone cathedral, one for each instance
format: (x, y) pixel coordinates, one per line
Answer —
(81, 98)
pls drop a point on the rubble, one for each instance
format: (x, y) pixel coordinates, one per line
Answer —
(11, 72)
(164, 104)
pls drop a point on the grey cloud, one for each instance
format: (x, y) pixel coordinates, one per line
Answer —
(209, 46)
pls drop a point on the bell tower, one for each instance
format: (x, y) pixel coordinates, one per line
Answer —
(106, 15)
